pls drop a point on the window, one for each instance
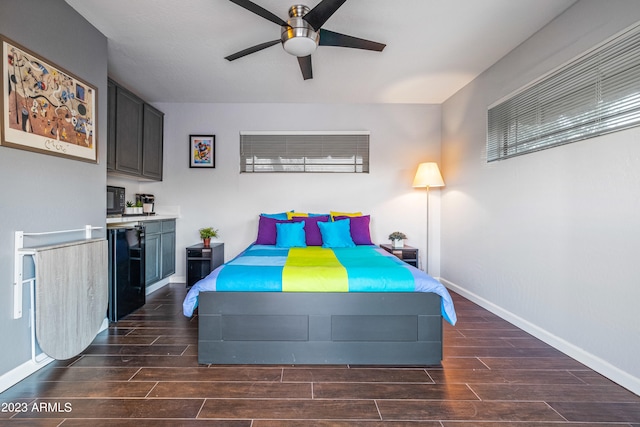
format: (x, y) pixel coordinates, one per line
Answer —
(304, 152)
(595, 94)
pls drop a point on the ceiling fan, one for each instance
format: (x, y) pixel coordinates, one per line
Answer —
(302, 33)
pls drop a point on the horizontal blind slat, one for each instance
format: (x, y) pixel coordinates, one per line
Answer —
(595, 94)
(304, 153)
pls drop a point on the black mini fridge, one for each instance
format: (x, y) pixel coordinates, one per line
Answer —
(126, 271)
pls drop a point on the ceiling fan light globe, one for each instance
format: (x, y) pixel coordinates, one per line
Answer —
(300, 46)
(298, 38)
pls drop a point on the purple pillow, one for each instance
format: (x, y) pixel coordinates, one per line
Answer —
(311, 229)
(267, 230)
(359, 229)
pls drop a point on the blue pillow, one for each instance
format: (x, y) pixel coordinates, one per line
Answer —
(290, 235)
(336, 234)
(280, 215)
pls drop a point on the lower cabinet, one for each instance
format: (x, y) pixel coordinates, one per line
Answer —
(160, 251)
(168, 248)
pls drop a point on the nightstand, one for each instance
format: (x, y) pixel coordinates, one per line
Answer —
(201, 261)
(408, 254)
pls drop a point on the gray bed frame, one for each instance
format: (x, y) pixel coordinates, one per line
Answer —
(270, 328)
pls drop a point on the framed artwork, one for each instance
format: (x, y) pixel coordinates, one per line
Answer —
(202, 151)
(45, 108)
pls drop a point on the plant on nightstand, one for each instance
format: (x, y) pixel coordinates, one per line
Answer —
(397, 239)
(206, 234)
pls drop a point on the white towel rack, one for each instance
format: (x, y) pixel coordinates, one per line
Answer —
(21, 251)
(19, 281)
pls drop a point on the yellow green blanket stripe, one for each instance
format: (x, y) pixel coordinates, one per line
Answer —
(362, 269)
(314, 269)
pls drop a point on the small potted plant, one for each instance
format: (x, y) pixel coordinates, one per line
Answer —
(132, 208)
(397, 239)
(206, 234)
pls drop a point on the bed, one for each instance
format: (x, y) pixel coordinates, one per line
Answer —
(334, 303)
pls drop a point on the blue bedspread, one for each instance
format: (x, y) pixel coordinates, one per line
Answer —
(264, 268)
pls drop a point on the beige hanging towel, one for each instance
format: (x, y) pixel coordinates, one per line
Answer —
(71, 296)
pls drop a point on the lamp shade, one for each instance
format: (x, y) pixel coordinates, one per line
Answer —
(428, 175)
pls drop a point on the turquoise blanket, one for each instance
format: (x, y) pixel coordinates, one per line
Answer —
(262, 268)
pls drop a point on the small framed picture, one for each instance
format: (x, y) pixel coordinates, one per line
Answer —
(202, 151)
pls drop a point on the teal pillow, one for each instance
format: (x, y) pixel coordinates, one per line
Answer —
(280, 215)
(336, 234)
(290, 235)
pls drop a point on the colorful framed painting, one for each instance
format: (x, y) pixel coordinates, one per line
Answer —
(202, 151)
(45, 108)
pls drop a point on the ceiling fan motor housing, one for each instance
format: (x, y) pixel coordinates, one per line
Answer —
(299, 38)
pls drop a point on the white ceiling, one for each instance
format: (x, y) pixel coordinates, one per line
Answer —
(173, 51)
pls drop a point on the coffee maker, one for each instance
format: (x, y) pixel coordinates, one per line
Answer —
(148, 203)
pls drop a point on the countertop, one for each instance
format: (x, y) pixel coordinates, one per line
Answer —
(135, 219)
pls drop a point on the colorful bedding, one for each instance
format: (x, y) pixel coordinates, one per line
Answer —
(365, 268)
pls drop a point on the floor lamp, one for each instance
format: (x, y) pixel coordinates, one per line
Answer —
(427, 176)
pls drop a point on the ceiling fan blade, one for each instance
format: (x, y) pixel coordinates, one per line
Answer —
(252, 49)
(305, 67)
(330, 38)
(323, 11)
(258, 10)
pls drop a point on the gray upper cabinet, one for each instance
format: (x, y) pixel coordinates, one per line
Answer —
(152, 135)
(128, 132)
(111, 126)
(135, 136)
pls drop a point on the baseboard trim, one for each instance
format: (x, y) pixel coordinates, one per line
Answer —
(178, 279)
(599, 365)
(162, 283)
(16, 375)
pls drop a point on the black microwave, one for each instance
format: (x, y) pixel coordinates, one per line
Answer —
(115, 200)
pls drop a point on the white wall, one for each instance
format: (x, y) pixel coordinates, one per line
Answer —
(401, 137)
(549, 240)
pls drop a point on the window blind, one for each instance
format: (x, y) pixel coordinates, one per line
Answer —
(346, 152)
(595, 94)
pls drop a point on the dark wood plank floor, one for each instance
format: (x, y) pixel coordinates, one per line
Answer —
(144, 372)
